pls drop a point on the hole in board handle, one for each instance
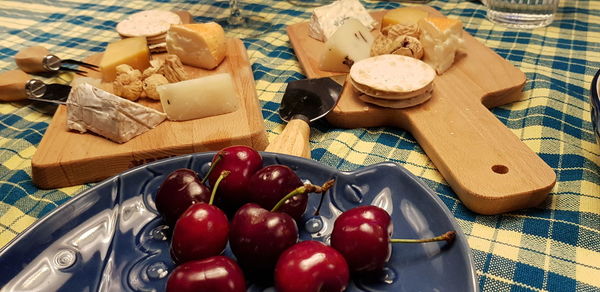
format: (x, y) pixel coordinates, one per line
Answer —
(500, 169)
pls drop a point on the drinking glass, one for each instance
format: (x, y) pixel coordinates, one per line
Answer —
(522, 13)
(239, 25)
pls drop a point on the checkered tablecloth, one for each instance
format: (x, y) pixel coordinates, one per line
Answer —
(553, 247)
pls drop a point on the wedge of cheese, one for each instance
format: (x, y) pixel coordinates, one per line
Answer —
(325, 20)
(198, 98)
(130, 51)
(441, 38)
(199, 44)
(403, 15)
(349, 44)
(118, 119)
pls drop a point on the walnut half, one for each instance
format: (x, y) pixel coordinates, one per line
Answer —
(173, 69)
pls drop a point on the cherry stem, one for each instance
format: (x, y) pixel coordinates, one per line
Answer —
(448, 237)
(223, 175)
(329, 183)
(218, 158)
(307, 188)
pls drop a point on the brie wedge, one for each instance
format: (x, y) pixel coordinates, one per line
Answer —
(325, 20)
(118, 119)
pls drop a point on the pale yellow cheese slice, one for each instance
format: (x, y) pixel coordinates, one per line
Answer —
(200, 44)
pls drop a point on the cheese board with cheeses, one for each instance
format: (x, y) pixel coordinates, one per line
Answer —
(485, 163)
(120, 118)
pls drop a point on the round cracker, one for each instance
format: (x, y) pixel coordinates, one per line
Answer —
(147, 23)
(390, 95)
(392, 74)
(396, 104)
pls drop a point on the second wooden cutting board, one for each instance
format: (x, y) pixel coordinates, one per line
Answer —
(490, 168)
(67, 158)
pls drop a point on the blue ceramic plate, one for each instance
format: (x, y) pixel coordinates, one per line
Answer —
(595, 102)
(110, 238)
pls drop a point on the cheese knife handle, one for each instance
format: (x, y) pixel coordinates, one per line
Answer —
(31, 59)
(293, 140)
(13, 85)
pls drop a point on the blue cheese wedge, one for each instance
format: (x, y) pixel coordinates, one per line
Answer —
(325, 20)
(349, 44)
(92, 109)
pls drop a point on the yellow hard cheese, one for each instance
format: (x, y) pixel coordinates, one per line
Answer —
(200, 44)
(403, 15)
(198, 98)
(130, 51)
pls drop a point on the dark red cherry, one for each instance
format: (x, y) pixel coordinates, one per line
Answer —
(179, 191)
(270, 184)
(242, 162)
(311, 266)
(362, 235)
(201, 232)
(215, 274)
(258, 237)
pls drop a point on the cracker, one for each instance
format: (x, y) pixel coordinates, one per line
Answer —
(390, 95)
(394, 74)
(396, 104)
(147, 23)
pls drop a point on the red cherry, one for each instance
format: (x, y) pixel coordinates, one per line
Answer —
(270, 184)
(362, 235)
(311, 266)
(201, 232)
(179, 191)
(259, 236)
(242, 162)
(215, 274)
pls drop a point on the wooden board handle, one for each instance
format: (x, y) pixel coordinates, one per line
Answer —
(31, 59)
(293, 140)
(12, 85)
(486, 164)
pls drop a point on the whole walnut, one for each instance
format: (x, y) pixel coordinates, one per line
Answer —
(128, 83)
(150, 84)
(400, 45)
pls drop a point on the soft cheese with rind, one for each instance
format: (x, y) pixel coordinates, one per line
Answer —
(441, 38)
(118, 119)
(325, 20)
(198, 98)
(199, 44)
(350, 43)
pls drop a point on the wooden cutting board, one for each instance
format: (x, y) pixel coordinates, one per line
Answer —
(485, 163)
(67, 158)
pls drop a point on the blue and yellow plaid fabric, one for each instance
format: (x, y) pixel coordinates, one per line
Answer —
(554, 247)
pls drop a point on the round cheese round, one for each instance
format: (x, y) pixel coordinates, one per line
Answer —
(392, 76)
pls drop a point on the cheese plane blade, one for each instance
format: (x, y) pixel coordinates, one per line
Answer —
(304, 101)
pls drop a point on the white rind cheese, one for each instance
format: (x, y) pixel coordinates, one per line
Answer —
(118, 119)
(349, 44)
(325, 20)
(441, 38)
(198, 98)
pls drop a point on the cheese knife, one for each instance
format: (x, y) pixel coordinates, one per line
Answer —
(304, 101)
(17, 85)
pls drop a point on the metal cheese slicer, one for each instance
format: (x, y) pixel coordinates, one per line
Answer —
(16, 85)
(38, 59)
